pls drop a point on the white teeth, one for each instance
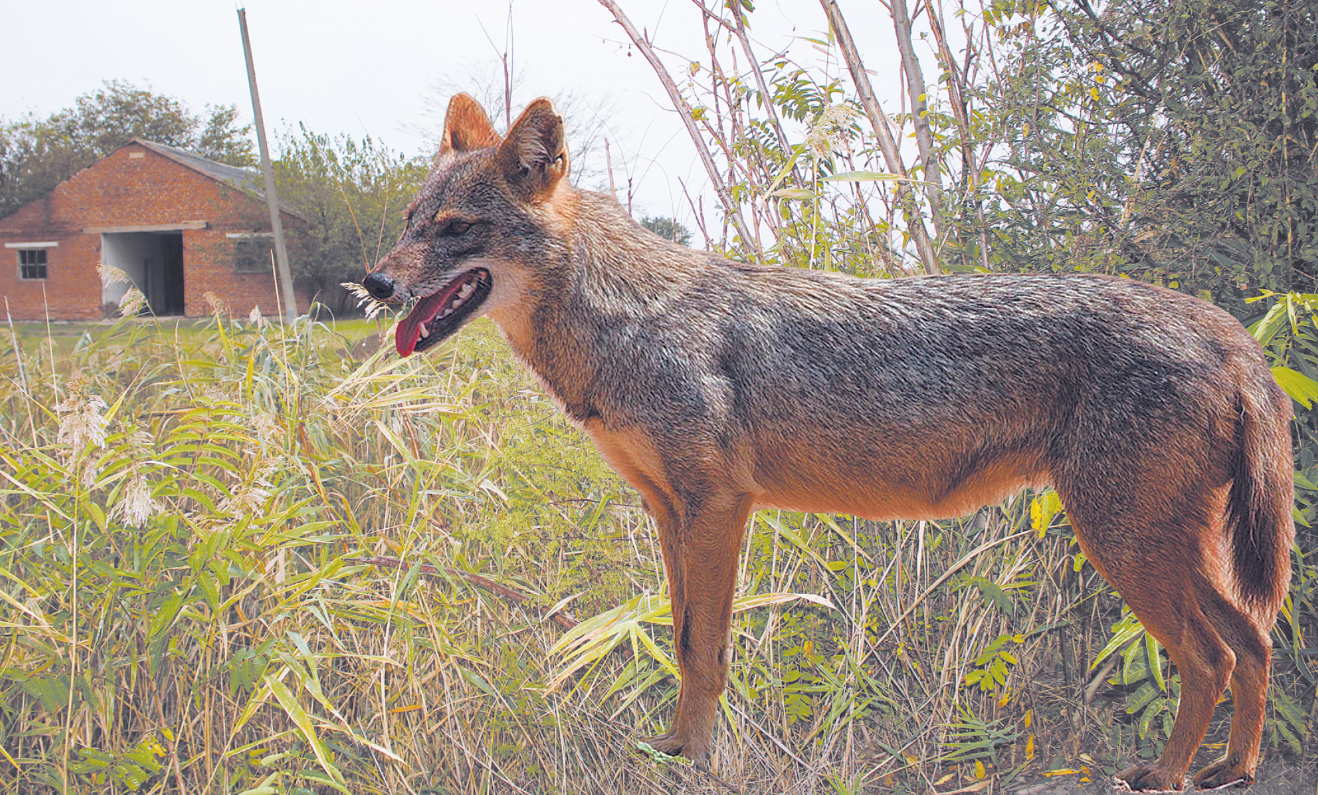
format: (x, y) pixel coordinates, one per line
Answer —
(459, 299)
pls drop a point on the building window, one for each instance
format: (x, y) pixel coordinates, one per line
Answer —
(251, 253)
(32, 263)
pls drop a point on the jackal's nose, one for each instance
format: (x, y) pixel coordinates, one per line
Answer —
(380, 287)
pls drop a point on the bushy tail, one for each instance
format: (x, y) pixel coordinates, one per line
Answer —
(1259, 514)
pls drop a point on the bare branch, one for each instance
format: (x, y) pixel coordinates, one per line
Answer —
(730, 206)
(879, 121)
(915, 88)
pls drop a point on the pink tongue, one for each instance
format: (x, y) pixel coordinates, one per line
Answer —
(409, 330)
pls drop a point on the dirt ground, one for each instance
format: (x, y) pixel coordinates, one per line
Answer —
(1274, 778)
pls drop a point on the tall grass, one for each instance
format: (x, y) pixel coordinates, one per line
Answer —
(244, 558)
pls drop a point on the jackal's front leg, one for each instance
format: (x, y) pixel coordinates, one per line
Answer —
(700, 554)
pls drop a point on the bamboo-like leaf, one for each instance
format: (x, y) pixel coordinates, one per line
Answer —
(865, 176)
(304, 724)
(1126, 631)
(663, 659)
(832, 524)
(775, 522)
(1288, 709)
(1271, 323)
(1301, 388)
(765, 599)
(1152, 651)
(786, 169)
(793, 193)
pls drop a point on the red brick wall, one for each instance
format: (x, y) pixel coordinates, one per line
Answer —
(126, 191)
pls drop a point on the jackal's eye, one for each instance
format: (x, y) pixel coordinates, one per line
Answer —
(454, 227)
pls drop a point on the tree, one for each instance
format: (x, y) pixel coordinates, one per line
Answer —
(352, 195)
(500, 89)
(668, 228)
(1173, 140)
(37, 154)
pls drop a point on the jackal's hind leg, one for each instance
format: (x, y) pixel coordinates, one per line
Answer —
(1205, 664)
(1247, 633)
(1157, 564)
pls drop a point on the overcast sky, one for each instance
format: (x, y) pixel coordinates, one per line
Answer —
(379, 67)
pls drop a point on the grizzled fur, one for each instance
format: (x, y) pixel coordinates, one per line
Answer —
(715, 387)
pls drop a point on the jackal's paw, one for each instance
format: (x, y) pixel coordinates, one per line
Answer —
(1227, 773)
(1149, 778)
(675, 743)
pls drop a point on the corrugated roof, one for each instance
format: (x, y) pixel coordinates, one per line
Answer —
(244, 179)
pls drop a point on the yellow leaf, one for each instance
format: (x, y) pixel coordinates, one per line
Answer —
(1042, 510)
(1029, 748)
(940, 782)
(1029, 718)
(979, 769)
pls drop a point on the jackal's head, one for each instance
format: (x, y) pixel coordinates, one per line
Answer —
(478, 226)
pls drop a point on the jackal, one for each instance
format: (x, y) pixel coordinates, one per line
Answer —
(715, 387)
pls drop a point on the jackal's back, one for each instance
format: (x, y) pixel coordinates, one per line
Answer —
(909, 385)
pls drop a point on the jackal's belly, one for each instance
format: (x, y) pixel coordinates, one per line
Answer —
(885, 487)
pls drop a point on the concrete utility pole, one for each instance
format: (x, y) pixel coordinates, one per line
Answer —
(268, 173)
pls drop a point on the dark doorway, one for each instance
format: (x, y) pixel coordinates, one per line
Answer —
(167, 297)
(154, 263)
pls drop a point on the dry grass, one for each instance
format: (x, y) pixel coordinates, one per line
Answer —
(187, 608)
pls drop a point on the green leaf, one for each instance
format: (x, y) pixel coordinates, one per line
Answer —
(793, 193)
(994, 596)
(862, 176)
(1142, 696)
(308, 729)
(479, 681)
(1151, 650)
(659, 756)
(1301, 388)
(1123, 633)
(165, 614)
(1273, 322)
(773, 521)
(1288, 709)
(98, 515)
(1134, 667)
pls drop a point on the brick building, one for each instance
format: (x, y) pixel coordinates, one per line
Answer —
(179, 225)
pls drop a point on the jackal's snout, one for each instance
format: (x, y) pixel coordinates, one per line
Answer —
(380, 286)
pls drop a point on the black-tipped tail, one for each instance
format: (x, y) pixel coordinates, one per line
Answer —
(1259, 514)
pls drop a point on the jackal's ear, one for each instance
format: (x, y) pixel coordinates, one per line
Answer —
(533, 157)
(466, 127)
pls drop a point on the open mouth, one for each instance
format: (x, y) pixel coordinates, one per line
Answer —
(437, 316)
